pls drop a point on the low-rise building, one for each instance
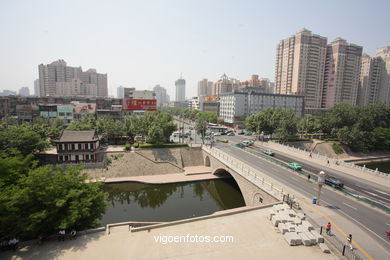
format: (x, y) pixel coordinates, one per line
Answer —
(193, 104)
(26, 113)
(78, 146)
(83, 109)
(235, 106)
(48, 111)
(65, 112)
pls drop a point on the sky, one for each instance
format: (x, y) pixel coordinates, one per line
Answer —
(144, 43)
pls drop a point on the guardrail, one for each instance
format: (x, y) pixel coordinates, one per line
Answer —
(335, 161)
(248, 172)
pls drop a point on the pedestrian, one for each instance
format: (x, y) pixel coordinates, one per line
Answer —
(73, 234)
(327, 228)
(310, 154)
(349, 239)
(13, 243)
(61, 234)
(308, 177)
(328, 162)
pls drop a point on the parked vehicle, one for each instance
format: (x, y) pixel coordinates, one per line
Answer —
(241, 132)
(231, 134)
(269, 152)
(294, 166)
(331, 181)
(248, 142)
(248, 133)
(217, 134)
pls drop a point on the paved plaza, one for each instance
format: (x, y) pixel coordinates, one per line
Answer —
(254, 238)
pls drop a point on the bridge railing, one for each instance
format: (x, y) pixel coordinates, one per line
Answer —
(246, 171)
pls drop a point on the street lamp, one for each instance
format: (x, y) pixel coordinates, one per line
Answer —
(321, 181)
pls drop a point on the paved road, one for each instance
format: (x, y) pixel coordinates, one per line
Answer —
(371, 220)
(362, 187)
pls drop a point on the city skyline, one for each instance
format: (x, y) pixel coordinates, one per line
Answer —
(141, 54)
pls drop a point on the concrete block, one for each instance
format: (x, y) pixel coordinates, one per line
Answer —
(313, 240)
(305, 240)
(282, 228)
(324, 248)
(275, 220)
(297, 221)
(320, 239)
(291, 227)
(292, 238)
(307, 225)
(301, 215)
(290, 212)
(271, 213)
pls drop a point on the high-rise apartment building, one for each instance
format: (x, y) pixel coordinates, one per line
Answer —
(204, 88)
(120, 92)
(161, 96)
(57, 78)
(225, 85)
(36, 88)
(372, 73)
(180, 90)
(342, 73)
(24, 92)
(300, 67)
(384, 54)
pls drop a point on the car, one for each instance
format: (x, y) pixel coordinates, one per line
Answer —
(269, 152)
(241, 132)
(231, 134)
(331, 181)
(248, 142)
(294, 166)
(223, 140)
(248, 133)
(240, 145)
(217, 134)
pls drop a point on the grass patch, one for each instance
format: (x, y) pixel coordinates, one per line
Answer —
(337, 148)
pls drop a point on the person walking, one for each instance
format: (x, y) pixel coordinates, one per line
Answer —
(349, 239)
(13, 243)
(73, 234)
(327, 163)
(61, 234)
(327, 228)
(310, 155)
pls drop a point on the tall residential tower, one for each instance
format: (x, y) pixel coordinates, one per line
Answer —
(180, 90)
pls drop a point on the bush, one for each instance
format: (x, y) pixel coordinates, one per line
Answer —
(337, 148)
(127, 146)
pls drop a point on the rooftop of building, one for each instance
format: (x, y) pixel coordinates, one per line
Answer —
(78, 136)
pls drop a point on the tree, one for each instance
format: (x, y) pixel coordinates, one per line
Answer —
(155, 134)
(20, 139)
(201, 127)
(46, 200)
(285, 121)
(261, 122)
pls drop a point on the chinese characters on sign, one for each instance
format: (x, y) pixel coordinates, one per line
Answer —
(139, 104)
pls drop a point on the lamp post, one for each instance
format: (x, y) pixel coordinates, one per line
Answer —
(321, 181)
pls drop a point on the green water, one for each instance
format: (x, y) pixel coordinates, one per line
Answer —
(133, 201)
(382, 166)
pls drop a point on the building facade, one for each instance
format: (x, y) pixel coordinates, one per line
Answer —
(24, 92)
(225, 85)
(371, 75)
(36, 88)
(120, 92)
(161, 96)
(300, 67)
(180, 92)
(235, 106)
(384, 93)
(77, 146)
(342, 73)
(57, 78)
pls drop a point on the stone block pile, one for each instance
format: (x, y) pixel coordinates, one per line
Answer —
(294, 227)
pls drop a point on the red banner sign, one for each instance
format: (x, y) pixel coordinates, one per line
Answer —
(139, 104)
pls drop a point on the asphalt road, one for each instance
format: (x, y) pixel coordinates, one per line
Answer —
(361, 187)
(373, 221)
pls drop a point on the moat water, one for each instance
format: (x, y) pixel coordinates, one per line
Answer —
(132, 201)
(382, 166)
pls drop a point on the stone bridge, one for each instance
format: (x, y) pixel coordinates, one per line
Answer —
(256, 191)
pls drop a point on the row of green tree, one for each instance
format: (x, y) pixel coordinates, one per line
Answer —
(360, 128)
(40, 200)
(191, 114)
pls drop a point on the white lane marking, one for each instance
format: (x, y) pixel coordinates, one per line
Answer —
(349, 206)
(373, 194)
(382, 192)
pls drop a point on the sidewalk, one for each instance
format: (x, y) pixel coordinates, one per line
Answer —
(304, 156)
